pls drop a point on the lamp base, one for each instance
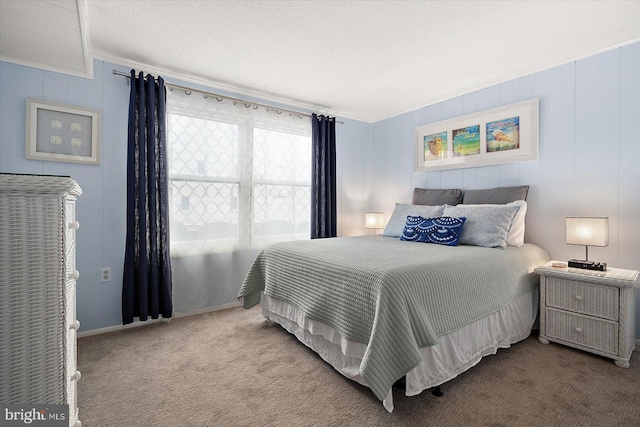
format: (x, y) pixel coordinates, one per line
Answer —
(588, 265)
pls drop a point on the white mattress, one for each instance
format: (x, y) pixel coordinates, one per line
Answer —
(455, 352)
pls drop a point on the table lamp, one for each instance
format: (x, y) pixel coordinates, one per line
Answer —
(374, 220)
(588, 231)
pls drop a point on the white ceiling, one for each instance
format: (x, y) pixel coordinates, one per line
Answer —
(366, 60)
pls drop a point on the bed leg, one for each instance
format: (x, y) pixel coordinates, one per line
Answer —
(437, 392)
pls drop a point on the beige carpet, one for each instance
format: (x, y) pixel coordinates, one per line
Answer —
(229, 368)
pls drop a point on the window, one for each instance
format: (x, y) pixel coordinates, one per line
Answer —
(239, 176)
(281, 183)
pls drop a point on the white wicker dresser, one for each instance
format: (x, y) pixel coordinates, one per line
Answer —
(38, 291)
(590, 310)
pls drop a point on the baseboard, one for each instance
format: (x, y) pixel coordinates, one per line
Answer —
(207, 310)
(153, 321)
(114, 328)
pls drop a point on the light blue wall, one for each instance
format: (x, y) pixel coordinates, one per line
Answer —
(353, 173)
(589, 154)
(101, 209)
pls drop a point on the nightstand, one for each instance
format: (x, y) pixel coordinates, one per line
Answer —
(589, 310)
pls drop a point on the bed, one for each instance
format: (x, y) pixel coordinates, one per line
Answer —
(379, 308)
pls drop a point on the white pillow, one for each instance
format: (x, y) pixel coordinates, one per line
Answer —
(516, 232)
(398, 219)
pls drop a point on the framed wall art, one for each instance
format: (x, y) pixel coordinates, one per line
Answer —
(500, 135)
(62, 133)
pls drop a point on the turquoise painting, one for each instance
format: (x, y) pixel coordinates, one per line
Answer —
(503, 135)
(435, 146)
(466, 141)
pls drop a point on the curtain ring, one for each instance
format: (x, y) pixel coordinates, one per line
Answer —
(218, 99)
(204, 95)
(255, 106)
(247, 105)
(187, 92)
(170, 88)
(279, 111)
(235, 102)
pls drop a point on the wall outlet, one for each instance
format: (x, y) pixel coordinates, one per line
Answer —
(105, 274)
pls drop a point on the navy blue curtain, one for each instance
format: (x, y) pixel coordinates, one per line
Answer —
(146, 285)
(323, 177)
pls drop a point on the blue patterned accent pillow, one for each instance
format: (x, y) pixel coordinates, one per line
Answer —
(442, 230)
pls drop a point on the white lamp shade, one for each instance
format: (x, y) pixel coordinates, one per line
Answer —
(588, 231)
(374, 220)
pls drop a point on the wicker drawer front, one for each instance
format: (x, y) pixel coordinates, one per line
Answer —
(594, 300)
(31, 299)
(70, 236)
(70, 372)
(70, 261)
(587, 331)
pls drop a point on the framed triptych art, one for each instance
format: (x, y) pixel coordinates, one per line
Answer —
(500, 135)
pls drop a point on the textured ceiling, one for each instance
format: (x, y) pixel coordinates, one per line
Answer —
(366, 60)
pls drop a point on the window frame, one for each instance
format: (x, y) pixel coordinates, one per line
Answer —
(244, 179)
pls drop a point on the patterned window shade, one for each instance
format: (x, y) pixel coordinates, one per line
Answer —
(239, 176)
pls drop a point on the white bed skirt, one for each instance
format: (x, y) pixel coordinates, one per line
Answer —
(455, 352)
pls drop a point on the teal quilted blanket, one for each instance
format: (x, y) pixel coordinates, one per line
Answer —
(391, 295)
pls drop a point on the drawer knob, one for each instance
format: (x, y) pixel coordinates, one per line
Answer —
(578, 330)
(76, 376)
(75, 325)
(74, 275)
(74, 225)
(578, 297)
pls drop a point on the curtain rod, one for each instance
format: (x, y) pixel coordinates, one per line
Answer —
(230, 98)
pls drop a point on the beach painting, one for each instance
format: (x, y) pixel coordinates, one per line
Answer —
(500, 135)
(466, 141)
(503, 135)
(435, 146)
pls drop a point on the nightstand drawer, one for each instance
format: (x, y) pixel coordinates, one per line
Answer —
(598, 334)
(594, 300)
